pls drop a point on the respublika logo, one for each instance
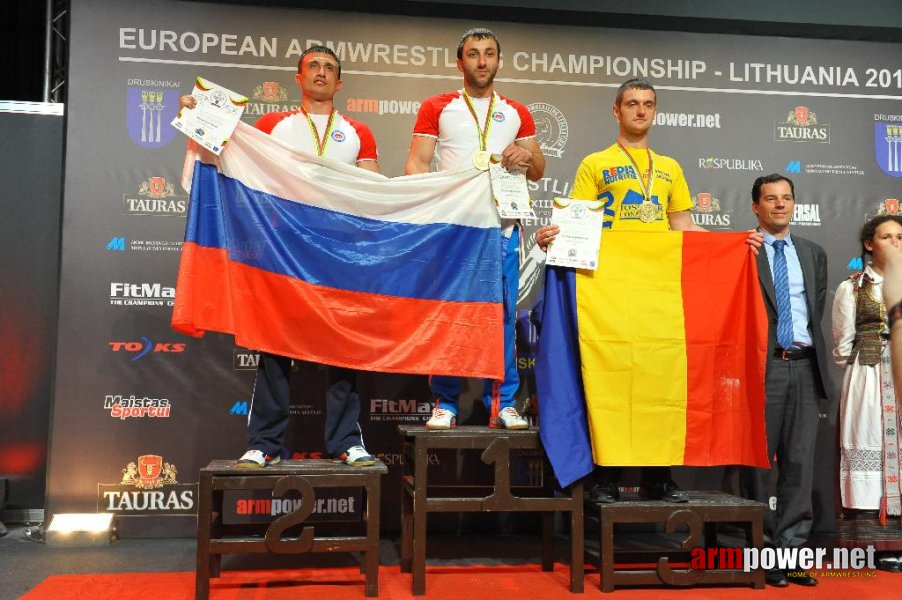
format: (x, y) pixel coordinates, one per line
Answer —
(149, 486)
(141, 294)
(150, 105)
(801, 125)
(383, 409)
(806, 215)
(730, 164)
(121, 244)
(888, 143)
(124, 407)
(381, 106)
(552, 130)
(145, 346)
(155, 196)
(706, 212)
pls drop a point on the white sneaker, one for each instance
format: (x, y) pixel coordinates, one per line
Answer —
(357, 456)
(255, 459)
(441, 419)
(509, 418)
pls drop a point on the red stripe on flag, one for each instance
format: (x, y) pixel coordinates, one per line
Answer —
(286, 316)
(725, 353)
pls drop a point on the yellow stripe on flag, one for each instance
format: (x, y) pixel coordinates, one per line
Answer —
(633, 349)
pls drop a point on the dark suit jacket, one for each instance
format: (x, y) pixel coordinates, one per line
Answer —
(814, 271)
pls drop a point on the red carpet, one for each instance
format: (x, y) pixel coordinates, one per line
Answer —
(521, 582)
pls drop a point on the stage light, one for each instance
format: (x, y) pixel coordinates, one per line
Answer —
(80, 529)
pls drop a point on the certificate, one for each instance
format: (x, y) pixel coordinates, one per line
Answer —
(215, 117)
(580, 237)
(510, 193)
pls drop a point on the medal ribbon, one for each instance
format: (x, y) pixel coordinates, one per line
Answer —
(646, 189)
(320, 143)
(484, 132)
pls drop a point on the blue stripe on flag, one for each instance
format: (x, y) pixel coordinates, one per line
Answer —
(559, 383)
(434, 261)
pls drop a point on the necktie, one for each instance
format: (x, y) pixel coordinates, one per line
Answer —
(781, 287)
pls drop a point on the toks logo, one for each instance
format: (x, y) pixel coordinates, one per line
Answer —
(145, 347)
(148, 486)
(801, 125)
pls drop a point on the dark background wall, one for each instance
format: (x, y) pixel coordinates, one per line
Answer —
(23, 23)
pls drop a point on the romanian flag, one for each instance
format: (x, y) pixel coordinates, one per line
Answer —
(656, 358)
(304, 257)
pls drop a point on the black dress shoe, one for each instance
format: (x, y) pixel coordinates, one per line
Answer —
(604, 493)
(668, 491)
(801, 578)
(775, 577)
(889, 564)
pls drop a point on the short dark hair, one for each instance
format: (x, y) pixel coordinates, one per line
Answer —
(634, 84)
(772, 178)
(477, 33)
(319, 50)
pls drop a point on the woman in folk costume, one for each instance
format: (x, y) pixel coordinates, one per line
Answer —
(869, 423)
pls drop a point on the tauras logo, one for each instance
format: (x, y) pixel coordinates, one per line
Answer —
(801, 125)
(148, 486)
(245, 360)
(155, 196)
(123, 407)
(698, 120)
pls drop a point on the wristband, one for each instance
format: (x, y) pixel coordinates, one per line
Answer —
(894, 314)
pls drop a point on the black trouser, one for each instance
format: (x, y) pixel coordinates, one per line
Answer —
(791, 413)
(612, 475)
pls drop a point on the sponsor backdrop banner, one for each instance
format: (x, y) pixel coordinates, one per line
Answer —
(139, 408)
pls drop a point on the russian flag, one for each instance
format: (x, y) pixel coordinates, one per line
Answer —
(304, 257)
(656, 358)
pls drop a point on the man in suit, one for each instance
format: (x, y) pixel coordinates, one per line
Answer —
(793, 276)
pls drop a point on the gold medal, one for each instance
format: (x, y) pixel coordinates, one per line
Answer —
(647, 212)
(481, 160)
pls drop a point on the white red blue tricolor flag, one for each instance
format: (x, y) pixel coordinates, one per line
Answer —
(305, 257)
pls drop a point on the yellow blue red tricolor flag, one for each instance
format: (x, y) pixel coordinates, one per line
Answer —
(656, 358)
(304, 257)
